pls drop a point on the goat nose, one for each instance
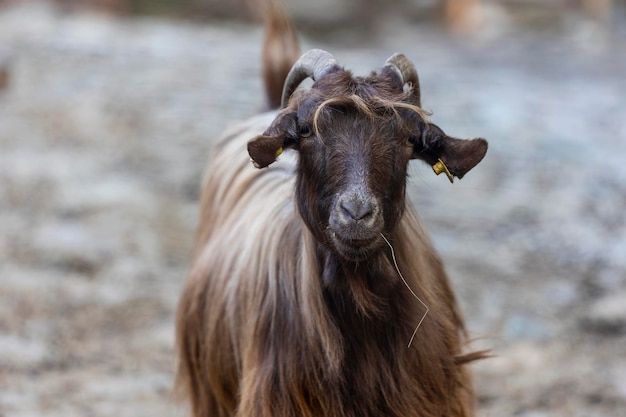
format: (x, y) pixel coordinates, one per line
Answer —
(357, 209)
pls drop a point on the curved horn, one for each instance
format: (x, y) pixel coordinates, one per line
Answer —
(405, 69)
(314, 63)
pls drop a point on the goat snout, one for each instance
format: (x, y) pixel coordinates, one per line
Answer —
(357, 209)
(356, 216)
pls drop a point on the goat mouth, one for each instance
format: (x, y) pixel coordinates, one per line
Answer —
(354, 249)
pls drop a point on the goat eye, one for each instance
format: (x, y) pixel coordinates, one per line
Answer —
(412, 140)
(304, 131)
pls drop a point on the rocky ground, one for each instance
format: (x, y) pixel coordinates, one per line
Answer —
(105, 126)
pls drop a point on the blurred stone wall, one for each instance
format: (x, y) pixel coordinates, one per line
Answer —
(459, 15)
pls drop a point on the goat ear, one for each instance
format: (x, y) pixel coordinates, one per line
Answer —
(265, 148)
(458, 156)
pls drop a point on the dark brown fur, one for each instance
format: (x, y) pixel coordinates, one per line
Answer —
(290, 309)
(280, 49)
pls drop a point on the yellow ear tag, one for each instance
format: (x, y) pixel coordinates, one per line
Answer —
(440, 167)
(279, 151)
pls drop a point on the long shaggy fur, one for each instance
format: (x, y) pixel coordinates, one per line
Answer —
(260, 335)
(272, 322)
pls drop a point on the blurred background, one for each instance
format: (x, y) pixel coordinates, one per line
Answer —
(109, 110)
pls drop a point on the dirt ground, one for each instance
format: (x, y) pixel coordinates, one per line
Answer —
(105, 127)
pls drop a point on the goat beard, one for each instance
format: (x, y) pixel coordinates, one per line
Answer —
(370, 281)
(366, 273)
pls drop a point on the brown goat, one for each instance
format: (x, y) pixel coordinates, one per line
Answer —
(312, 276)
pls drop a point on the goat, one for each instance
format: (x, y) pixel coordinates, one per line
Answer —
(297, 301)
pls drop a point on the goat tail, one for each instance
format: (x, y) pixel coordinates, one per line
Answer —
(280, 48)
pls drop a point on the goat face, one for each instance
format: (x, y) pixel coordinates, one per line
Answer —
(352, 173)
(355, 137)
